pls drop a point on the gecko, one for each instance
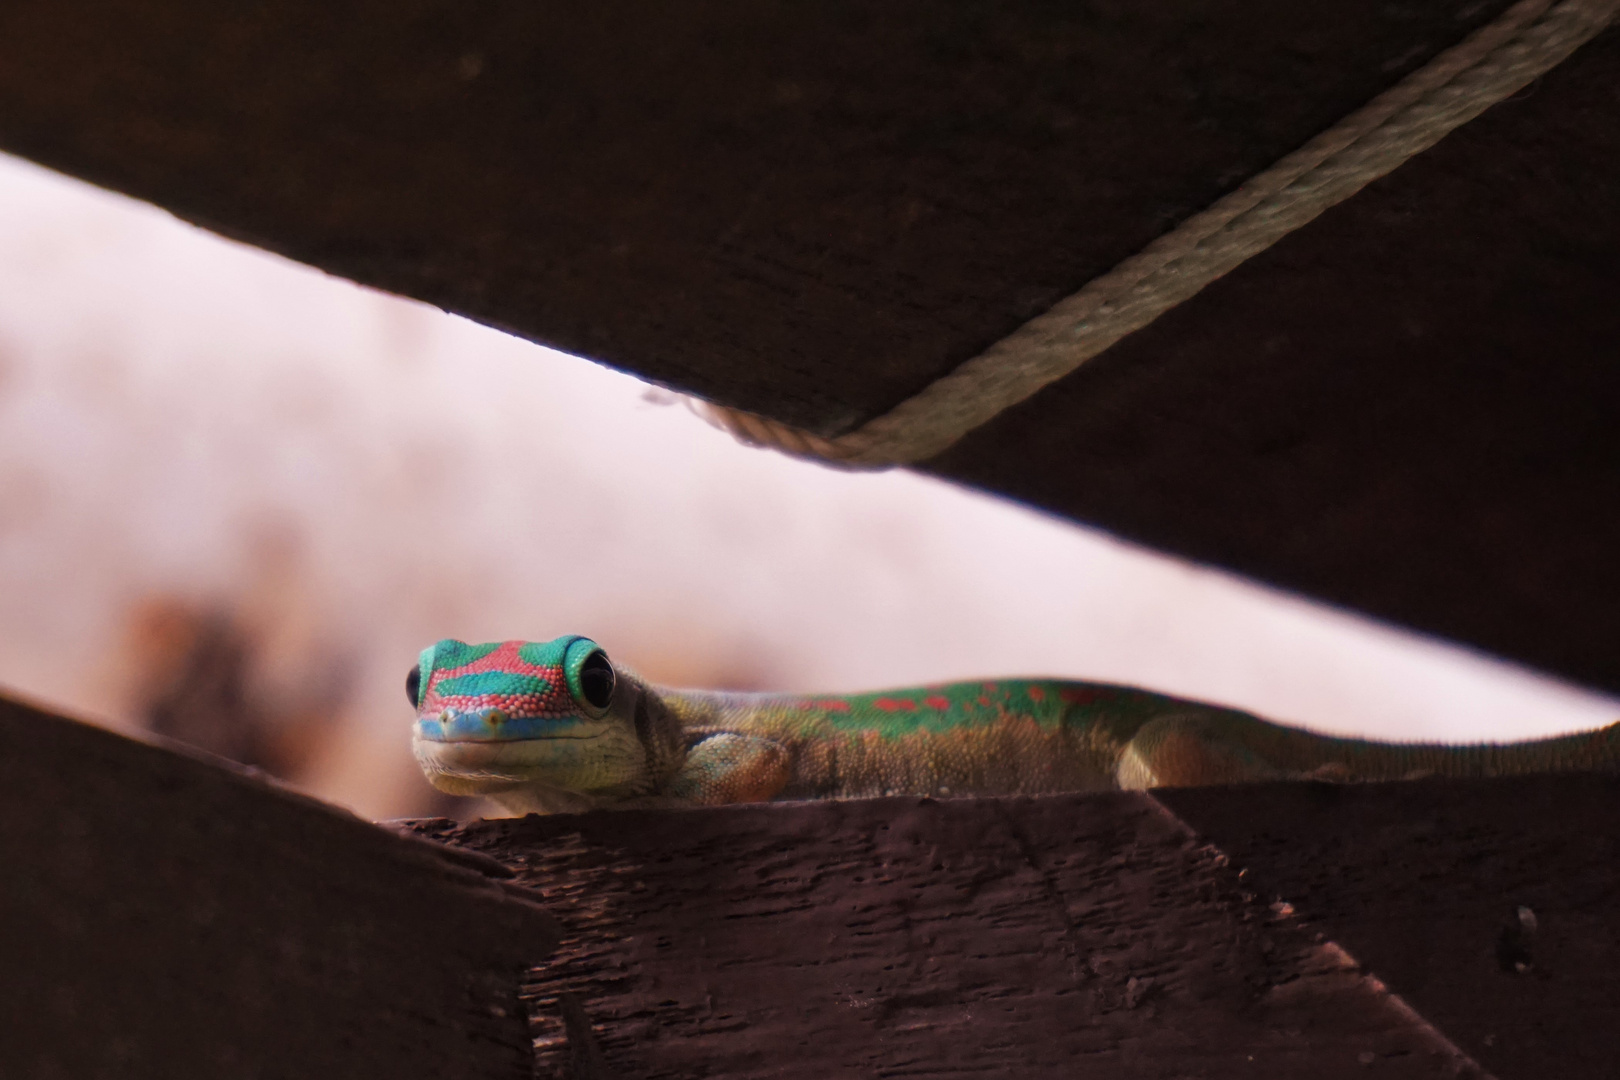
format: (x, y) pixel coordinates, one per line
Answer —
(555, 726)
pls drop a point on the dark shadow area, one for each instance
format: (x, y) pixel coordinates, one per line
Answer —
(1491, 906)
(163, 916)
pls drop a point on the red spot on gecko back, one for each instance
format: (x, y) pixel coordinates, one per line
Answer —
(935, 701)
(889, 704)
(833, 705)
(1035, 693)
(1079, 695)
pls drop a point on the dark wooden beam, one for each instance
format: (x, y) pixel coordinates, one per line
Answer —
(808, 210)
(163, 916)
(1086, 934)
(811, 211)
(1423, 882)
(1406, 407)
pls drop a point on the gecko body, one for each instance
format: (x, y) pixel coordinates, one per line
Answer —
(556, 726)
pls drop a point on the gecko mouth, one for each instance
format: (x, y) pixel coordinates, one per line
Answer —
(473, 752)
(507, 739)
(577, 760)
(476, 766)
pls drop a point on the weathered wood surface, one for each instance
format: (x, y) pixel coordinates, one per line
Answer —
(1421, 882)
(1406, 407)
(812, 210)
(1065, 936)
(163, 916)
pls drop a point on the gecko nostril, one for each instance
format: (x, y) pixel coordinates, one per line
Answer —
(445, 717)
(496, 717)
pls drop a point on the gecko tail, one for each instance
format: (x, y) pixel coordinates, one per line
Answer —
(1195, 750)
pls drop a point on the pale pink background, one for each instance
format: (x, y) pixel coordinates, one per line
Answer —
(354, 476)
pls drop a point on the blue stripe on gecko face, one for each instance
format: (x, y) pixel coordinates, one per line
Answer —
(474, 725)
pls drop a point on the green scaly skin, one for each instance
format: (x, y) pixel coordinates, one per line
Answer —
(553, 726)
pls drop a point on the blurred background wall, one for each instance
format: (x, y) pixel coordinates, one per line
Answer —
(237, 496)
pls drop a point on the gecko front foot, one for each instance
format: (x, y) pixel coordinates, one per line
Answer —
(728, 768)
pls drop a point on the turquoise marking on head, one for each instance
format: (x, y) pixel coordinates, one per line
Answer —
(545, 653)
(424, 674)
(585, 668)
(489, 683)
(450, 653)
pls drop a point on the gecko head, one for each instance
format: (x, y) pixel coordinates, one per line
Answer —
(511, 714)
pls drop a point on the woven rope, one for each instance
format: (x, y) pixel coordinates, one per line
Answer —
(1493, 63)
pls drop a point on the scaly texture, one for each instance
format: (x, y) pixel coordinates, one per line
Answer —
(553, 726)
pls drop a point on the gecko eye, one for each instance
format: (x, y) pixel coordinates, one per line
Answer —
(413, 683)
(596, 679)
(590, 676)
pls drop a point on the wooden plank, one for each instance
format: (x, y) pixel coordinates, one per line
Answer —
(163, 916)
(812, 210)
(1422, 882)
(903, 937)
(1406, 407)
(809, 210)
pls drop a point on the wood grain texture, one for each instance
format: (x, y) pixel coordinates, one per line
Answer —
(813, 210)
(1421, 881)
(1062, 936)
(163, 916)
(1406, 407)
(806, 210)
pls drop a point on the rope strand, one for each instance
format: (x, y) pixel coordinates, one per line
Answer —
(1526, 41)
